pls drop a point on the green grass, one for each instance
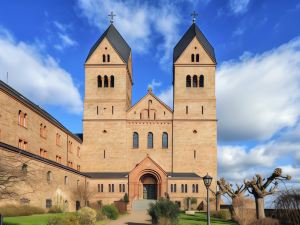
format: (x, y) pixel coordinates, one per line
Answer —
(40, 219)
(200, 219)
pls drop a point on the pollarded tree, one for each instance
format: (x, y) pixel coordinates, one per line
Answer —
(261, 188)
(233, 193)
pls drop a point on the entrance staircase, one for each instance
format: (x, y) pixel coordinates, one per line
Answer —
(141, 204)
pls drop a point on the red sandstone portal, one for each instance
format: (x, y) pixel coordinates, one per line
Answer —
(147, 181)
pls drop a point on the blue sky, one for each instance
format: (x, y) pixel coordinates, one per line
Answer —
(43, 46)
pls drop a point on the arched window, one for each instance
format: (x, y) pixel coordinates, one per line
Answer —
(105, 81)
(112, 81)
(193, 58)
(186, 189)
(197, 57)
(108, 58)
(165, 140)
(197, 188)
(193, 188)
(24, 169)
(188, 81)
(123, 187)
(49, 177)
(99, 79)
(25, 120)
(195, 81)
(182, 188)
(150, 140)
(201, 81)
(66, 180)
(135, 140)
(103, 58)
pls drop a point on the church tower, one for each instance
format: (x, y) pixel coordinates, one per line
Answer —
(195, 124)
(108, 86)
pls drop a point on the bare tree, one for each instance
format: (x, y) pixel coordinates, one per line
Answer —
(233, 193)
(83, 193)
(258, 188)
(14, 172)
(287, 207)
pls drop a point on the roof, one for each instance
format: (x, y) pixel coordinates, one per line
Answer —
(107, 175)
(183, 175)
(116, 40)
(39, 158)
(30, 104)
(189, 35)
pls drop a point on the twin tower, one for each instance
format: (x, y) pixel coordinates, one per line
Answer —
(118, 135)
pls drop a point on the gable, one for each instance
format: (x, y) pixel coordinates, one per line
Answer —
(185, 41)
(105, 48)
(194, 47)
(149, 108)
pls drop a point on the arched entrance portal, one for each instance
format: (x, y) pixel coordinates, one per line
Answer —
(149, 185)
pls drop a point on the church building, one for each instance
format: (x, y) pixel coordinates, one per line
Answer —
(147, 149)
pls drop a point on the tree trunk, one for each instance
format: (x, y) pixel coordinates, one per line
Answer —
(218, 202)
(260, 208)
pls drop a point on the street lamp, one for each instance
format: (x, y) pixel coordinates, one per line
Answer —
(207, 182)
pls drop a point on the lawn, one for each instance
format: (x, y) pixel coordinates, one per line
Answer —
(200, 219)
(40, 219)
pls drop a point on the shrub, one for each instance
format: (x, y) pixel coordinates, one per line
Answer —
(266, 221)
(100, 215)
(87, 216)
(110, 211)
(55, 209)
(70, 219)
(125, 198)
(164, 212)
(17, 210)
(222, 214)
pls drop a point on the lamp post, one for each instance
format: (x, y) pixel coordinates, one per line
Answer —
(207, 182)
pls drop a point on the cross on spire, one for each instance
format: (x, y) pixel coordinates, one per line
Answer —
(111, 15)
(194, 14)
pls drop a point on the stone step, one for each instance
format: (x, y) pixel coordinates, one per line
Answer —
(142, 204)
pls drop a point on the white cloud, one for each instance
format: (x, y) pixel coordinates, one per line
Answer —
(154, 84)
(167, 96)
(60, 26)
(37, 76)
(239, 6)
(258, 95)
(66, 41)
(239, 31)
(138, 22)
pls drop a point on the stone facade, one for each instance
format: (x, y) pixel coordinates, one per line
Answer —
(146, 149)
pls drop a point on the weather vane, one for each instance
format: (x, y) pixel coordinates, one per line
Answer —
(194, 14)
(111, 15)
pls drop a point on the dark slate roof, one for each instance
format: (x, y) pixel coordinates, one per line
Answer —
(107, 175)
(116, 40)
(30, 104)
(80, 136)
(39, 158)
(192, 32)
(183, 175)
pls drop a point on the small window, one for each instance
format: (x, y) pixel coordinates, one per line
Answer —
(66, 180)
(135, 140)
(48, 203)
(201, 81)
(112, 81)
(195, 81)
(108, 58)
(104, 154)
(202, 110)
(193, 188)
(103, 58)
(186, 110)
(112, 188)
(194, 154)
(197, 57)
(150, 140)
(123, 187)
(193, 57)
(175, 188)
(49, 177)
(105, 81)
(24, 169)
(99, 81)
(165, 140)
(186, 188)
(182, 188)
(197, 188)
(188, 81)
(171, 187)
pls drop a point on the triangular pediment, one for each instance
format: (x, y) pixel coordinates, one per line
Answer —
(150, 107)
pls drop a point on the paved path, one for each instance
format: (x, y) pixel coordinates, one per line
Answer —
(134, 218)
